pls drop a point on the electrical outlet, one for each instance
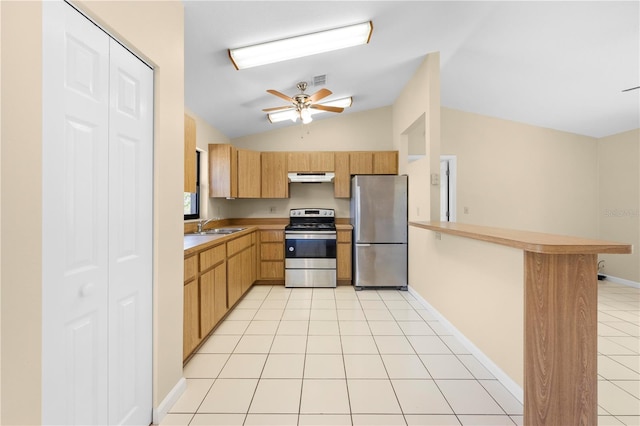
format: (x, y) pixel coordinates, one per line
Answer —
(438, 236)
(466, 210)
(272, 209)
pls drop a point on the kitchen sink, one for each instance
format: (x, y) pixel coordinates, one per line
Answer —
(219, 231)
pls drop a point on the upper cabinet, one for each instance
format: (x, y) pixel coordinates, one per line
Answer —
(249, 174)
(321, 161)
(242, 173)
(385, 163)
(342, 180)
(223, 171)
(275, 183)
(190, 168)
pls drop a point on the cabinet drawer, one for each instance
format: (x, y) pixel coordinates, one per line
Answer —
(211, 257)
(237, 245)
(190, 268)
(344, 236)
(272, 251)
(271, 236)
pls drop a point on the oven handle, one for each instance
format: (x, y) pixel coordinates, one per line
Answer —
(303, 235)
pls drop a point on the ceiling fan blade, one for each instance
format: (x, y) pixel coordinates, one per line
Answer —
(277, 108)
(280, 95)
(327, 108)
(322, 93)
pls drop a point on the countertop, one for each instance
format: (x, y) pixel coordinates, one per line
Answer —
(193, 243)
(536, 242)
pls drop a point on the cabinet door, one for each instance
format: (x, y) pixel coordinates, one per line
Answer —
(321, 162)
(298, 162)
(234, 279)
(342, 181)
(343, 255)
(189, 154)
(223, 171)
(361, 163)
(249, 174)
(385, 163)
(191, 324)
(274, 175)
(213, 298)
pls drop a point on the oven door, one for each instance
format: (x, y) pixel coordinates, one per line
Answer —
(310, 245)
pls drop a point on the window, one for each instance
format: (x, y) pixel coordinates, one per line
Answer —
(192, 199)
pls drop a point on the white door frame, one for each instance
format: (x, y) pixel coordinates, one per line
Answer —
(452, 184)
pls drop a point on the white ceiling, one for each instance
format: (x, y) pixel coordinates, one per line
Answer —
(561, 65)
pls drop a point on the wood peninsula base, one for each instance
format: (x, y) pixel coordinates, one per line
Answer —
(560, 324)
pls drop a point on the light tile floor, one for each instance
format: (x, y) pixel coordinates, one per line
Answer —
(341, 357)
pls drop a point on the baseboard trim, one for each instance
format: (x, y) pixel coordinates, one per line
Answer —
(622, 281)
(499, 374)
(172, 397)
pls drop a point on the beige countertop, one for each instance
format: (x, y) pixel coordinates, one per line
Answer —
(535, 242)
(193, 243)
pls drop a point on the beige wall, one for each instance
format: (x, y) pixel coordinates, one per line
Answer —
(514, 175)
(619, 201)
(160, 42)
(417, 111)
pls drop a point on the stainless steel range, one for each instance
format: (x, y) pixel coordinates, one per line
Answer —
(310, 248)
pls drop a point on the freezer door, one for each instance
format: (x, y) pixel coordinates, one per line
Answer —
(379, 209)
(380, 265)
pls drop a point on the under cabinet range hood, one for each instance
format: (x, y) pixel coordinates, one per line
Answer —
(311, 177)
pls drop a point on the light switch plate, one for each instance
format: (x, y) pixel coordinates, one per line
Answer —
(435, 179)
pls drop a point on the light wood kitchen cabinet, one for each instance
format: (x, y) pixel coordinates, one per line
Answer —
(191, 322)
(319, 161)
(271, 255)
(223, 171)
(343, 255)
(361, 163)
(249, 174)
(190, 167)
(274, 175)
(239, 266)
(213, 300)
(385, 163)
(342, 180)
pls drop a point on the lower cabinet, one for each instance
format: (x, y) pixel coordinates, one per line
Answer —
(191, 323)
(343, 255)
(271, 255)
(215, 278)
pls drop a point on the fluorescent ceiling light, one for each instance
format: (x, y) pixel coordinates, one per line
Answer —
(300, 46)
(293, 114)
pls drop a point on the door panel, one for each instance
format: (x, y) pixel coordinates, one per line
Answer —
(380, 265)
(74, 218)
(130, 237)
(380, 209)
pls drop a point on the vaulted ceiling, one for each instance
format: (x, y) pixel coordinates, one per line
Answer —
(561, 65)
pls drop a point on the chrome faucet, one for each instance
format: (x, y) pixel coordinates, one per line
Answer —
(202, 223)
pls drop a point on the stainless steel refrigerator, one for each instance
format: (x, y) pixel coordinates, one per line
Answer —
(379, 219)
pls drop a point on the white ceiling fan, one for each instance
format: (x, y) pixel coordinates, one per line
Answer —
(302, 103)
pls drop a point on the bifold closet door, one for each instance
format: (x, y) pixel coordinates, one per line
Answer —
(97, 221)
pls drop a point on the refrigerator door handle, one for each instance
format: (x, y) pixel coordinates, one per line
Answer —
(357, 211)
(363, 245)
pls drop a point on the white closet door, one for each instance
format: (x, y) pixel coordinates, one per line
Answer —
(130, 238)
(75, 208)
(97, 226)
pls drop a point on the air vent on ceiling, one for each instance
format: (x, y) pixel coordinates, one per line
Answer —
(320, 80)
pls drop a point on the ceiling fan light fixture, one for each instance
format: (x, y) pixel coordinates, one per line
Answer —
(305, 116)
(300, 46)
(293, 115)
